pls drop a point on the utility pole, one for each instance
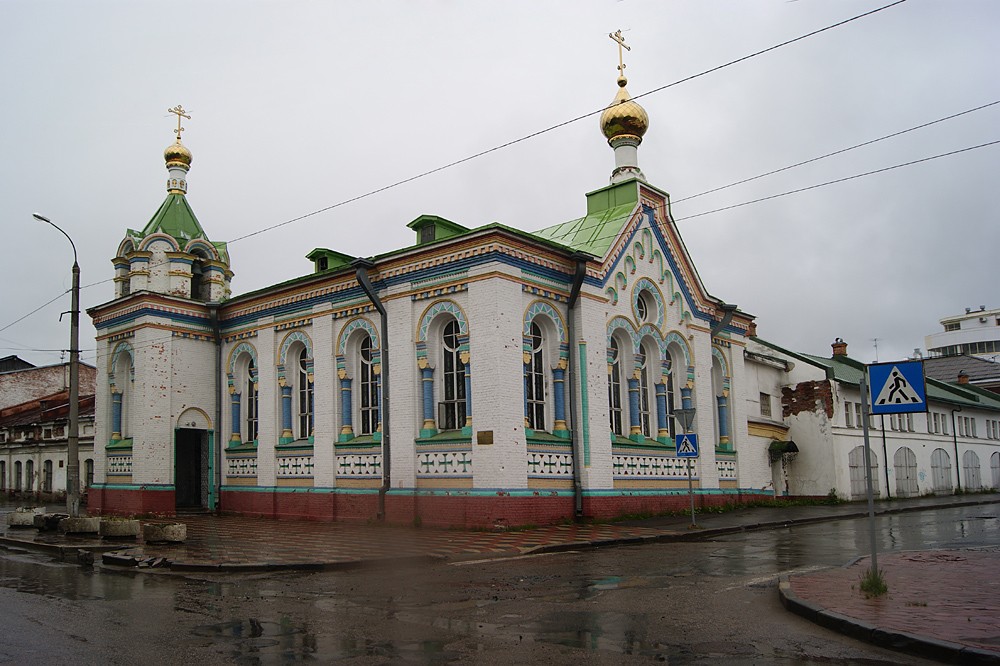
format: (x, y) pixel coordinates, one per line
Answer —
(73, 437)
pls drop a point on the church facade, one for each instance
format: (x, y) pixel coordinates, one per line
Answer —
(480, 377)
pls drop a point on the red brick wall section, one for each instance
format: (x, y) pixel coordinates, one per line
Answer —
(807, 397)
(116, 502)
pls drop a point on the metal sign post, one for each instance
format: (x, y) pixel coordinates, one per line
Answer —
(868, 470)
(687, 447)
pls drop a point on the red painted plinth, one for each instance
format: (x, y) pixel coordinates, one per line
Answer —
(130, 502)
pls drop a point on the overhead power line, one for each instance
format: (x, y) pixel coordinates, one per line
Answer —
(564, 123)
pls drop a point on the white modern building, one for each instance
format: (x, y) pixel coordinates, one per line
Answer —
(975, 333)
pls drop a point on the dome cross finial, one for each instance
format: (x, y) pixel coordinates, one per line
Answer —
(180, 113)
(617, 37)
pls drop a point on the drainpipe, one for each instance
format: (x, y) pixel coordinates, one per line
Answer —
(727, 315)
(213, 318)
(361, 267)
(574, 294)
(954, 440)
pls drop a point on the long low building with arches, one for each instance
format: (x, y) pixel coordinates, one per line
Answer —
(818, 448)
(482, 376)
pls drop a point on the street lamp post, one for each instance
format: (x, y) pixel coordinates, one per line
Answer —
(73, 438)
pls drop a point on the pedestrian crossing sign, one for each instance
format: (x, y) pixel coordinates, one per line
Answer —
(897, 388)
(687, 446)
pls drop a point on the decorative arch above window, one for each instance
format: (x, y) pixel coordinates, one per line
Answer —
(290, 339)
(450, 307)
(121, 348)
(352, 326)
(159, 236)
(200, 246)
(646, 296)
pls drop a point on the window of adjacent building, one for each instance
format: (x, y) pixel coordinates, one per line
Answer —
(535, 380)
(3, 475)
(18, 483)
(305, 396)
(954, 326)
(47, 476)
(857, 413)
(368, 387)
(88, 473)
(3, 437)
(453, 417)
(46, 433)
(29, 475)
(848, 414)
(615, 388)
(944, 425)
(765, 405)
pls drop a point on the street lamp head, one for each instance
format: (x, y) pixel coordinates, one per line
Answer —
(41, 218)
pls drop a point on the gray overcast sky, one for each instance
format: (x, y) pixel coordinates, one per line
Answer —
(299, 105)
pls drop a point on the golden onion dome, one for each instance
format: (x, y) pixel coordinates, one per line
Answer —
(177, 152)
(624, 117)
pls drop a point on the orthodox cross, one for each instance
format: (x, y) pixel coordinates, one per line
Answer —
(616, 36)
(181, 113)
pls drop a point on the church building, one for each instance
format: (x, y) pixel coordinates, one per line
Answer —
(482, 376)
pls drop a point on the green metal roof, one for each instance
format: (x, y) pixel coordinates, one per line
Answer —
(608, 210)
(176, 218)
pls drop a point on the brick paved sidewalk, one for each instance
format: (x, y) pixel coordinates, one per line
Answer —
(941, 603)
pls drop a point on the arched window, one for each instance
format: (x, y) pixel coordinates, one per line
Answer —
(18, 482)
(615, 388)
(368, 387)
(534, 380)
(905, 464)
(251, 403)
(941, 471)
(305, 395)
(643, 362)
(995, 468)
(856, 464)
(451, 415)
(971, 472)
(47, 476)
(29, 475)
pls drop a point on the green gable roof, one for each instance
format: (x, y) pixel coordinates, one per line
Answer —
(608, 210)
(175, 218)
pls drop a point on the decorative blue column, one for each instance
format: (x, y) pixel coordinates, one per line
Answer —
(723, 404)
(663, 431)
(287, 437)
(429, 427)
(526, 421)
(235, 439)
(559, 395)
(686, 397)
(377, 435)
(635, 429)
(346, 429)
(116, 415)
(467, 428)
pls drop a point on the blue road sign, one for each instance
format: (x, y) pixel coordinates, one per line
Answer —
(897, 388)
(687, 446)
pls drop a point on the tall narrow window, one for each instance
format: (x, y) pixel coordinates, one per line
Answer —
(305, 397)
(17, 476)
(47, 476)
(252, 404)
(671, 421)
(453, 405)
(368, 389)
(643, 393)
(765, 405)
(535, 384)
(615, 389)
(88, 473)
(29, 475)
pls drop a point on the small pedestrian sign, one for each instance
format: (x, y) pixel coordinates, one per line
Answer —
(687, 446)
(897, 388)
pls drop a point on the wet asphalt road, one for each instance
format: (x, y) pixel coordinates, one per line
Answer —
(683, 603)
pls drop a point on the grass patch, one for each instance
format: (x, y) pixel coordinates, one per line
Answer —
(873, 583)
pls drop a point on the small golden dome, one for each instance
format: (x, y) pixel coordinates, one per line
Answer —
(624, 117)
(177, 152)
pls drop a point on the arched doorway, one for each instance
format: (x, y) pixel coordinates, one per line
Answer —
(192, 460)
